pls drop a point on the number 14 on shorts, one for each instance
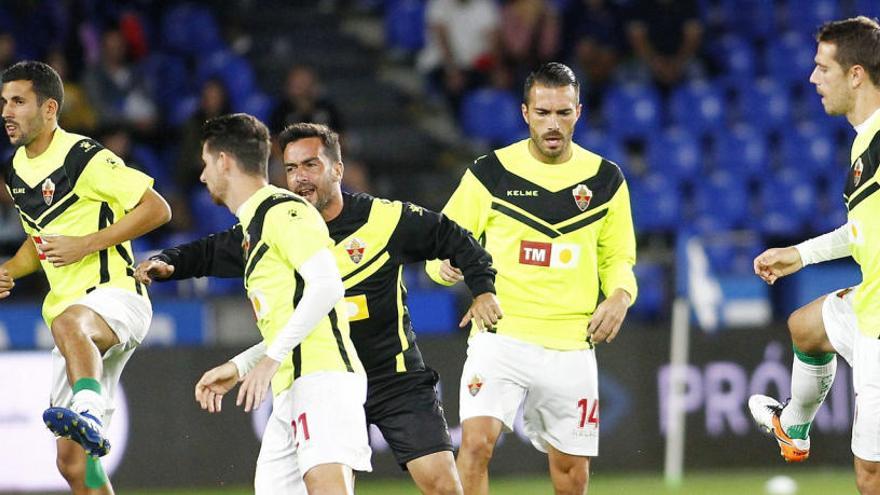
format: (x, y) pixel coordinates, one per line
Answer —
(589, 413)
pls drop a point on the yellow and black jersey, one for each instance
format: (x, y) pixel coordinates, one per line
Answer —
(281, 231)
(863, 206)
(556, 233)
(75, 188)
(372, 239)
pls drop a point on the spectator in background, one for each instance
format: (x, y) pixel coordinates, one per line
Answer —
(666, 36)
(595, 30)
(462, 45)
(304, 102)
(112, 86)
(77, 115)
(530, 34)
(7, 50)
(214, 103)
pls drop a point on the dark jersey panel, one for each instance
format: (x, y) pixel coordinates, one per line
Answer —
(418, 235)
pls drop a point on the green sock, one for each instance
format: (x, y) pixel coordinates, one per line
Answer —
(87, 383)
(95, 476)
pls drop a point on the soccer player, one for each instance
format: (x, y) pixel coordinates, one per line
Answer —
(845, 322)
(556, 220)
(295, 288)
(373, 238)
(80, 206)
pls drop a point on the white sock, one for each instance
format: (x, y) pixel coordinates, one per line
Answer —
(91, 401)
(810, 384)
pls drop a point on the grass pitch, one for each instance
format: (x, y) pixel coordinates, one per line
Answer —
(809, 482)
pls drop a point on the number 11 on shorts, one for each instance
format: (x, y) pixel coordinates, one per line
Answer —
(589, 412)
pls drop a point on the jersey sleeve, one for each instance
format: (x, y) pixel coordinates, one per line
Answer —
(469, 208)
(218, 255)
(106, 178)
(426, 235)
(296, 231)
(617, 246)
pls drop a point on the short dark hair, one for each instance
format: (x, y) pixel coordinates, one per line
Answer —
(46, 81)
(552, 75)
(242, 136)
(303, 130)
(858, 43)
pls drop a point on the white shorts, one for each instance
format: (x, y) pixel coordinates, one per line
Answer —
(128, 315)
(319, 420)
(863, 355)
(559, 391)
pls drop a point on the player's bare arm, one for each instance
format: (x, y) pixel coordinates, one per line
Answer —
(775, 263)
(151, 212)
(609, 316)
(25, 262)
(485, 311)
(214, 384)
(149, 270)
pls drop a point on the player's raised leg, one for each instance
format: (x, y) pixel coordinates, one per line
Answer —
(82, 337)
(812, 375)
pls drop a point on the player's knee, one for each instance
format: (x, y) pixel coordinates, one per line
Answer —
(71, 466)
(803, 330)
(442, 483)
(572, 482)
(868, 478)
(477, 446)
(64, 326)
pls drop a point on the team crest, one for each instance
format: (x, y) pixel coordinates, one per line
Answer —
(857, 172)
(475, 385)
(355, 249)
(246, 243)
(48, 191)
(582, 196)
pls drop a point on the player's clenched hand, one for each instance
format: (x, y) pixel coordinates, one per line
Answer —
(63, 250)
(149, 270)
(6, 283)
(777, 262)
(484, 312)
(214, 384)
(253, 387)
(450, 273)
(609, 316)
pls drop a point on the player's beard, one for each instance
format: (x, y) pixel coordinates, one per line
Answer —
(548, 152)
(27, 134)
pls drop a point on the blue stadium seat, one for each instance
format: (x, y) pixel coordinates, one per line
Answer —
(601, 143)
(806, 17)
(788, 201)
(189, 29)
(721, 202)
(493, 115)
(656, 204)
(764, 104)
(405, 25)
(698, 107)
(870, 8)
(737, 56)
(753, 18)
(165, 78)
(808, 148)
(235, 72)
(207, 216)
(259, 105)
(675, 152)
(632, 110)
(790, 58)
(742, 151)
(653, 291)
